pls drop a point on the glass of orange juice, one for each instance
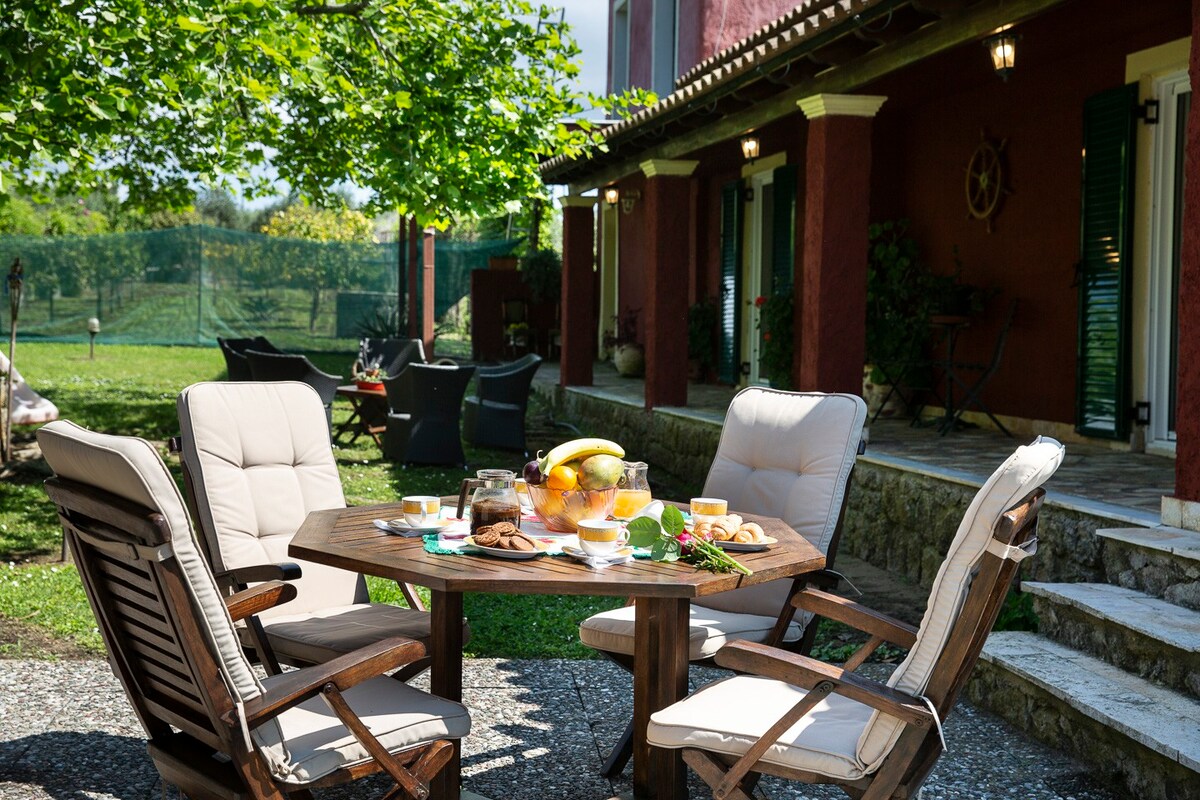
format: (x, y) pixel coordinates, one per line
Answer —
(706, 509)
(633, 491)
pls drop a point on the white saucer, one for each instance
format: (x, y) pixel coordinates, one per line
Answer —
(401, 526)
(622, 554)
(501, 552)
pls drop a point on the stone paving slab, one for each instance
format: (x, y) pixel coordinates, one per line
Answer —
(1174, 625)
(540, 728)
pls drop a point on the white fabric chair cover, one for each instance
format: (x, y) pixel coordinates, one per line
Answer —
(303, 743)
(260, 461)
(781, 454)
(843, 738)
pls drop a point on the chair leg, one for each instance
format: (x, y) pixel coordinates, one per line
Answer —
(712, 772)
(619, 756)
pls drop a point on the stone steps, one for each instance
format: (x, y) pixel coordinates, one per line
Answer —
(1164, 562)
(1130, 729)
(1127, 628)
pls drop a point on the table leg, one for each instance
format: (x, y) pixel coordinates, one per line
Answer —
(445, 678)
(659, 679)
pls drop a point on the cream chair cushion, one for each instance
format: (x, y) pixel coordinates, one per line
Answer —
(312, 741)
(729, 716)
(318, 636)
(708, 630)
(842, 738)
(1024, 471)
(130, 468)
(786, 455)
(260, 461)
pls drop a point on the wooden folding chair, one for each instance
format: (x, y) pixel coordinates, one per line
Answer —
(795, 717)
(216, 730)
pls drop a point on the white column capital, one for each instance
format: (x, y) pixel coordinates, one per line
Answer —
(667, 168)
(841, 105)
(577, 201)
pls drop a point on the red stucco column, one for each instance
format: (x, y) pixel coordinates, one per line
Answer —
(1187, 424)
(414, 301)
(578, 320)
(668, 211)
(831, 319)
(427, 300)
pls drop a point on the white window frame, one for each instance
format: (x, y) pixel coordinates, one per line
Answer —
(618, 75)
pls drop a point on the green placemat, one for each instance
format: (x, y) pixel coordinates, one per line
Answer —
(432, 546)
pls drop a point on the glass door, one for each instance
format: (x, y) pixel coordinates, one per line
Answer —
(1174, 96)
(757, 272)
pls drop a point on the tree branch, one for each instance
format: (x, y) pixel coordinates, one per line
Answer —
(353, 9)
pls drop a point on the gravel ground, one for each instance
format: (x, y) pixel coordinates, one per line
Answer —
(540, 730)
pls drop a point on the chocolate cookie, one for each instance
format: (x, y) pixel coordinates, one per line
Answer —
(487, 536)
(520, 541)
(504, 528)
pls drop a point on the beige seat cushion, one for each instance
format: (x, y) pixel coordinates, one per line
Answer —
(708, 630)
(260, 461)
(315, 743)
(318, 636)
(730, 715)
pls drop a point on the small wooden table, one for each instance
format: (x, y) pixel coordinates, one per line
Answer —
(357, 422)
(347, 538)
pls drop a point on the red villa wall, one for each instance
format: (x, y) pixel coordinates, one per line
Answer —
(927, 131)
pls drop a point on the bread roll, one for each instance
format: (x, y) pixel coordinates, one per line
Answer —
(723, 531)
(755, 530)
(743, 536)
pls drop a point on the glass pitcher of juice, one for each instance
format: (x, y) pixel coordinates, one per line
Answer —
(633, 490)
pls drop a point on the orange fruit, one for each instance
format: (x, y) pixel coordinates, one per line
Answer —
(561, 478)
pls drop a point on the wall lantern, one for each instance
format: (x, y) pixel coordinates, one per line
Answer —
(611, 195)
(628, 198)
(750, 147)
(1002, 47)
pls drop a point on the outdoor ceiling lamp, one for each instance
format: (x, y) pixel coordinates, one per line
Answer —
(611, 195)
(750, 145)
(1002, 47)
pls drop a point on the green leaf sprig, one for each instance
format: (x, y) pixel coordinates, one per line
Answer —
(671, 541)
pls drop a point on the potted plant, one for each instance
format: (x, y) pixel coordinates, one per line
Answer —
(370, 378)
(541, 271)
(702, 326)
(775, 326)
(627, 355)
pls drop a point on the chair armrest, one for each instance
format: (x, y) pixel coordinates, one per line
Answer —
(343, 672)
(259, 598)
(822, 579)
(798, 670)
(856, 615)
(255, 573)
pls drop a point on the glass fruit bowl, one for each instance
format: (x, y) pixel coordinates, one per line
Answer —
(561, 511)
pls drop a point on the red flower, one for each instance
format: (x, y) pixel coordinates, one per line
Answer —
(767, 336)
(758, 301)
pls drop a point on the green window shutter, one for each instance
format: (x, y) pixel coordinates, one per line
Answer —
(731, 281)
(783, 245)
(1102, 380)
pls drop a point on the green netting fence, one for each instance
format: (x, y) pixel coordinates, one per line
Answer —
(192, 284)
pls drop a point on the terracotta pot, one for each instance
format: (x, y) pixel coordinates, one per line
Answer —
(371, 386)
(629, 359)
(873, 394)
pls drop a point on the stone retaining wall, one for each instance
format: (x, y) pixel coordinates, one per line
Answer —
(897, 520)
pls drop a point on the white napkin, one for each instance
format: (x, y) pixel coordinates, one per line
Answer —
(653, 510)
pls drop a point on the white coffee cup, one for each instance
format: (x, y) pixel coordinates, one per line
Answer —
(599, 537)
(421, 510)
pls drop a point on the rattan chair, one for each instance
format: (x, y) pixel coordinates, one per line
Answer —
(799, 718)
(425, 408)
(495, 415)
(216, 730)
(285, 367)
(237, 368)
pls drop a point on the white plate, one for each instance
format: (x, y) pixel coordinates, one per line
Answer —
(403, 527)
(617, 555)
(747, 547)
(500, 552)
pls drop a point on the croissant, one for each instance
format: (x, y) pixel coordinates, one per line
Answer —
(743, 536)
(755, 530)
(735, 520)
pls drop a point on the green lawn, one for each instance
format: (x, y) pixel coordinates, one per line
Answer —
(131, 389)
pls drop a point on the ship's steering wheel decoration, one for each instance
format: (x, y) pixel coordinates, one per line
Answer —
(985, 180)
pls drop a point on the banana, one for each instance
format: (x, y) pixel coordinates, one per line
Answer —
(578, 450)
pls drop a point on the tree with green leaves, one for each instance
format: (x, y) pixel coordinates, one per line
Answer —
(440, 109)
(330, 267)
